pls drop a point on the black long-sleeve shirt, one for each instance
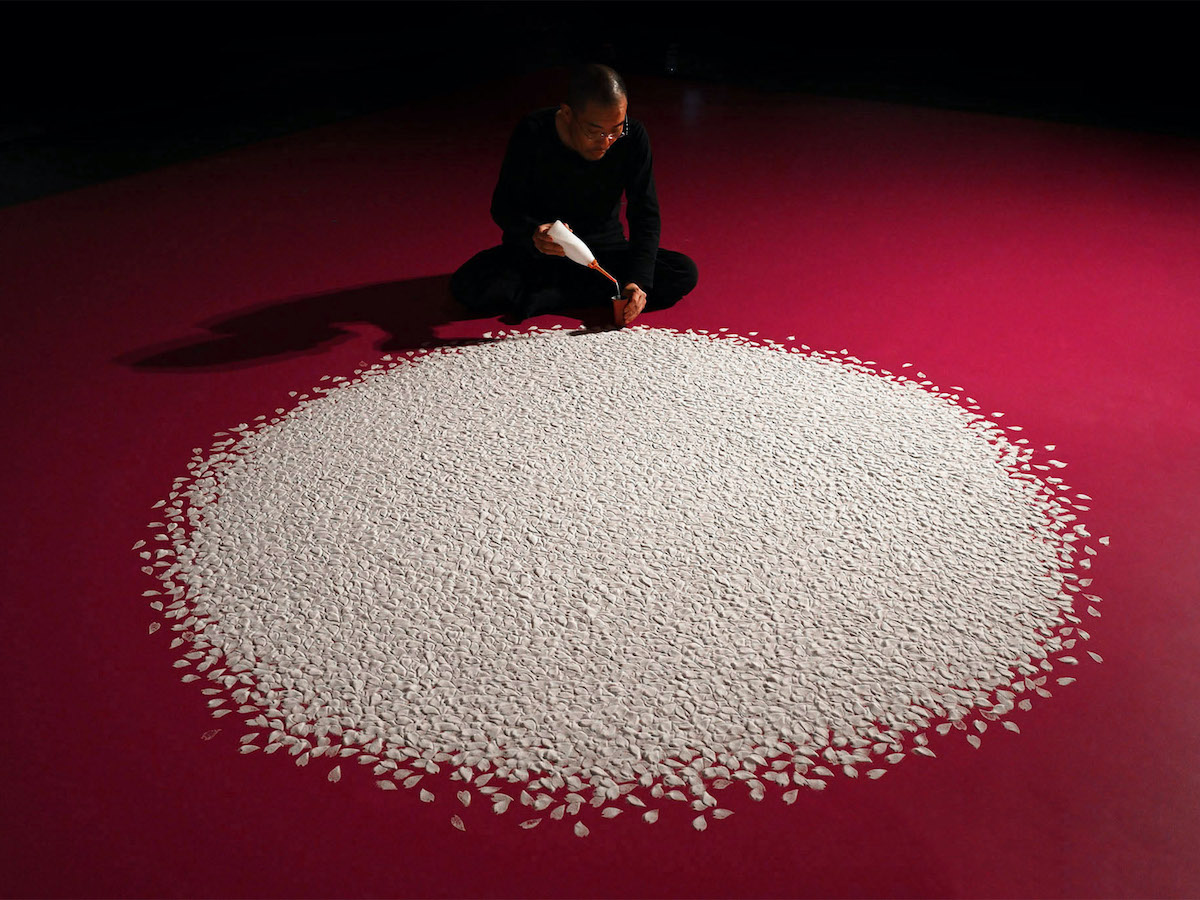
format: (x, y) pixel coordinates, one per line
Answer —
(542, 179)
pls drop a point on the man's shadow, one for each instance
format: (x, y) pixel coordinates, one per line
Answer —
(409, 312)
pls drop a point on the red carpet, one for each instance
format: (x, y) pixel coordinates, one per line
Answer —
(1052, 270)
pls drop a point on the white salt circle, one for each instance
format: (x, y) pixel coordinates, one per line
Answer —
(589, 554)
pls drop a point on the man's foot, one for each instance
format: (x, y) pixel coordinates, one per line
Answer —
(514, 317)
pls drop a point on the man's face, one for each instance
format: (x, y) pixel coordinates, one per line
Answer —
(592, 131)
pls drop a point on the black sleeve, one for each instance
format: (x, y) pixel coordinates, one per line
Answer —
(513, 189)
(641, 210)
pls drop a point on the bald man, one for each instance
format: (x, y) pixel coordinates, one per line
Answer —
(575, 162)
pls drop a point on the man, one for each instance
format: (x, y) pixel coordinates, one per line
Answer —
(574, 163)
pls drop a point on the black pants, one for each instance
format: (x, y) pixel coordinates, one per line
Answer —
(504, 280)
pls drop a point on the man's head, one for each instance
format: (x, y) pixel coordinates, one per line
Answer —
(594, 114)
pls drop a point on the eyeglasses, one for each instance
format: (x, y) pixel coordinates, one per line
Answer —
(595, 135)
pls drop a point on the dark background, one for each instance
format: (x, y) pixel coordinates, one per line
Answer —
(100, 90)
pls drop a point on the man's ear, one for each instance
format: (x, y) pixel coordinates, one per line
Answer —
(566, 111)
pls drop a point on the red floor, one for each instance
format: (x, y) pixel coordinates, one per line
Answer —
(1052, 270)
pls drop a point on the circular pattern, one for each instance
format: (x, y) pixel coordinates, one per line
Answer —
(619, 559)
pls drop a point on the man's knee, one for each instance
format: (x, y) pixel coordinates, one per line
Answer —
(689, 274)
(487, 283)
(675, 276)
(461, 284)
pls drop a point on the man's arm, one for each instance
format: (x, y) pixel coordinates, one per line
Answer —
(511, 196)
(641, 210)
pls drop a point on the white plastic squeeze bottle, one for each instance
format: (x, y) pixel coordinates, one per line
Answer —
(577, 250)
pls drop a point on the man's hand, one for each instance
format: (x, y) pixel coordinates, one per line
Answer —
(635, 302)
(546, 244)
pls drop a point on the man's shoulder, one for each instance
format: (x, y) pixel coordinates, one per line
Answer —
(534, 133)
(538, 122)
(636, 128)
(636, 143)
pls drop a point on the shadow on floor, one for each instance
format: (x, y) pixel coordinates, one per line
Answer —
(408, 311)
